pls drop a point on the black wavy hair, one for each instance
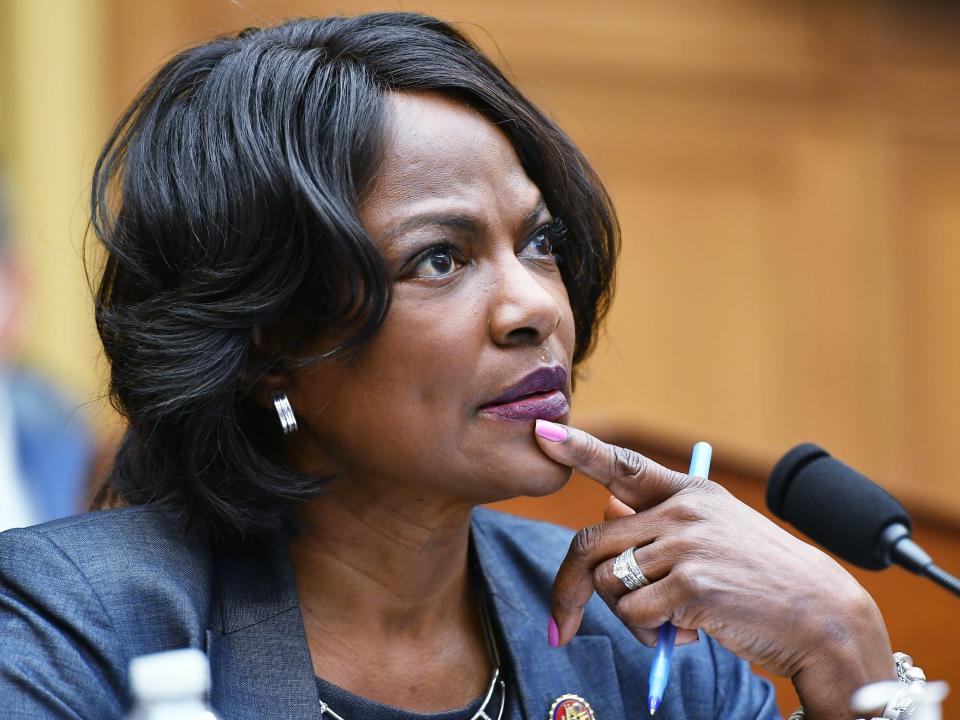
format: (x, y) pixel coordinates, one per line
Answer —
(226, 199)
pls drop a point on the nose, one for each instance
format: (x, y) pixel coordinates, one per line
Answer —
(523, 311)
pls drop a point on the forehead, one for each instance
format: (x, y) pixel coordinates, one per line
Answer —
(441, 155)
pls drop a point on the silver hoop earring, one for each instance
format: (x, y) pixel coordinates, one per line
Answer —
(288, 421)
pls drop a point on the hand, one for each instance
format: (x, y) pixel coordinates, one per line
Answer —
(717, 565)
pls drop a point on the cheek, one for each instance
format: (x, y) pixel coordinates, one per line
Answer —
(403, 394)
(426, 356)
(566, 331)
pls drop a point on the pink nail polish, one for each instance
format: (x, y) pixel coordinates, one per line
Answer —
(553, 633)
(550, 431)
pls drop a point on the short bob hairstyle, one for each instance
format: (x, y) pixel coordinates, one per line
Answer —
(226, 199)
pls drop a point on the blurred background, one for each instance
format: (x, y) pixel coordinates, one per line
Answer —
(788, 181)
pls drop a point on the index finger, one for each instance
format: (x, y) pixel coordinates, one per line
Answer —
(633, 479)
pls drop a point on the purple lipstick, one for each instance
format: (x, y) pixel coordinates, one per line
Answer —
(538, 396)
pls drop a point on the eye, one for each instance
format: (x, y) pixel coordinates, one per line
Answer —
(540, 245)
(543, 244)
(437, 262)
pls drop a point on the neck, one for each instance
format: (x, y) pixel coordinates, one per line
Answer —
(384, 582)
(391, 564)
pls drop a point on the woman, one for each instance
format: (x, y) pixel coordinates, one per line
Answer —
(350, 273)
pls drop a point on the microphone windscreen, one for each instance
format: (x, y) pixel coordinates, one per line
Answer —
(834, 505)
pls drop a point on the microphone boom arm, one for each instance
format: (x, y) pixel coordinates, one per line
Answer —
(897, 546)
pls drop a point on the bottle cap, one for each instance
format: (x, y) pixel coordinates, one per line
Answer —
(169, 675)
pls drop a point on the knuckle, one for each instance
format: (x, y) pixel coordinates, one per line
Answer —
(626, 462)
(590, 449)
(686, 508)
(684, 544)
(624, 608)
(604, 587)
(695, 484)
(601, 578)
(633, 611)
(586, 541)
(686, 579)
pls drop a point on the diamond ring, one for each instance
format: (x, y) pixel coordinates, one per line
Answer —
(625, 568)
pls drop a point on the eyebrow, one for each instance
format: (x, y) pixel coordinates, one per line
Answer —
(456, 221)
(534, 214)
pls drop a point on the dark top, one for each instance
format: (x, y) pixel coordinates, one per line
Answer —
(353, 707)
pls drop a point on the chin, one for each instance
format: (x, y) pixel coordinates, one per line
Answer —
(551, 479)
(531, 474)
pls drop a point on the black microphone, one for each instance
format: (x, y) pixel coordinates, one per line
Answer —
(847, 513)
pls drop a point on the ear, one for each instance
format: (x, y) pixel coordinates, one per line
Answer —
(265, 384)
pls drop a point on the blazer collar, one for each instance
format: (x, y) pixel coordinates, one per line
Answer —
(541, 674)
(261, 663)
(259, 657)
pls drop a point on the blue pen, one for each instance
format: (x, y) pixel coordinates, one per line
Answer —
(667, 634)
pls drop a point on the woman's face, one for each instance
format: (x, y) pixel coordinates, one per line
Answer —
(479, 305)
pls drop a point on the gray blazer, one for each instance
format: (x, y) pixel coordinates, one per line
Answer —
(80, 597)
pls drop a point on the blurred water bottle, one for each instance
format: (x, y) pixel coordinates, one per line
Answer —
(171, 686)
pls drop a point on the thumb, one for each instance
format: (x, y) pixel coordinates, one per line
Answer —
(616, 509)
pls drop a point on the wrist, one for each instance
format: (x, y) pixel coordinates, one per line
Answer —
(853, 651)
(825, 690)
(900, 700)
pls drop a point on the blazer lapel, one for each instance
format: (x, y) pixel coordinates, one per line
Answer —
(541, 674)
(583, 667)
(261, 662)
(259, 655)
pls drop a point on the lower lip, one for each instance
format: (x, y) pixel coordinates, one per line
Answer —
(545, 406)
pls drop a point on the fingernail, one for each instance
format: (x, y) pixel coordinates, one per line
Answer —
(553, 633)
(550, 431)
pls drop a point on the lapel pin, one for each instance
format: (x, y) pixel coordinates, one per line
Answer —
(571, 707)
